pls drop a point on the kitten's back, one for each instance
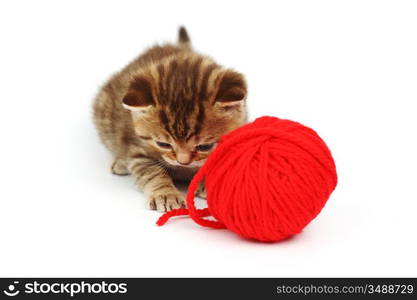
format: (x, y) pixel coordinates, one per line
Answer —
(157, 53)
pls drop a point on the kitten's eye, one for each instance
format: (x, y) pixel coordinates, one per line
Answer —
(204, 147)
(164, 145)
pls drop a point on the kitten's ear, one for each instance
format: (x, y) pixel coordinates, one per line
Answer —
(139, 97)
(231, 92)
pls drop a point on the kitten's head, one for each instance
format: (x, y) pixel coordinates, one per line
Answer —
(183, 106)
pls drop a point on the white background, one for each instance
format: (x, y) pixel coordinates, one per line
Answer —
(346, 68)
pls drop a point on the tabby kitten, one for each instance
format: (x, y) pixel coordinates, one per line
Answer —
(162, 115)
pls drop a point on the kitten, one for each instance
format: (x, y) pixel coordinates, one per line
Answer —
(162, 115)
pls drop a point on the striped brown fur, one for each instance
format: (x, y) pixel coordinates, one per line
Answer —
(170, 95)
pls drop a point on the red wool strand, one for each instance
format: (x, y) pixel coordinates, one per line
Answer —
(266, 181)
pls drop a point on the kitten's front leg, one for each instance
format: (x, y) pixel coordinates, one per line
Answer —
(153, 180)
(119, 167)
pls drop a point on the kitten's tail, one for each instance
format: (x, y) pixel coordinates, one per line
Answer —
(183, 38)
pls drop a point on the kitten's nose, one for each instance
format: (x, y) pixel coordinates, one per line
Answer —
(183, 159)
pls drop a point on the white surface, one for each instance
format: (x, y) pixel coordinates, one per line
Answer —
(346, 68)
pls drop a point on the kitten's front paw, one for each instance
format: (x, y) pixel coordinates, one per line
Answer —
(201, 191)
(164, 201)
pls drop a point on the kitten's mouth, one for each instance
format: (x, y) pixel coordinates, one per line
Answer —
(189, 166)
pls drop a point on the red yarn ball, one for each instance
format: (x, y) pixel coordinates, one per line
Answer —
(266, 181)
